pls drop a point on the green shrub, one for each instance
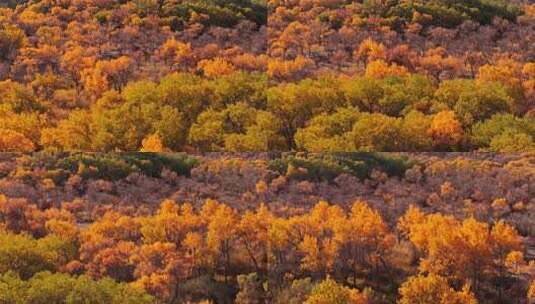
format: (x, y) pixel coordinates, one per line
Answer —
(102, 17)
(47, 287)
(107, 166)
(444, 13)
(501, 127)
(328, 166)
(224, 13)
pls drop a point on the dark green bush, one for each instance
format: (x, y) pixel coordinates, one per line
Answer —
(444, 13)
(112, 166)
(12, 3)
(327, 166)
(224, 13)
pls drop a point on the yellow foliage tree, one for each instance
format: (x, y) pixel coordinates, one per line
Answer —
(380, 69)
(467, 251)
(363, 237)
(11, 141)
(446, 130)
(330, 292)
(318, 245)
(216, 67)
(221, 236)
(369, 50)
(153, 143)
(433, 289)
(178, 53)
(253, 235)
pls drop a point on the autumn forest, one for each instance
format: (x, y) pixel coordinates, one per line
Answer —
(267, 151)
(267, 228)
(246, 75)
